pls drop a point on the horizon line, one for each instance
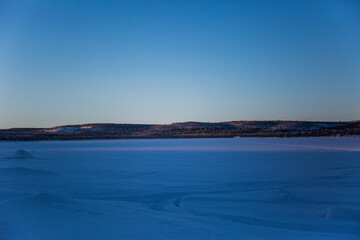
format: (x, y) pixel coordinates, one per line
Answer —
(214, 122)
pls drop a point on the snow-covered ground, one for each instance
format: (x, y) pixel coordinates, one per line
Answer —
(241, 188)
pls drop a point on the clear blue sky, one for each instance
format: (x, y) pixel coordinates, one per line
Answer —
(67, 62)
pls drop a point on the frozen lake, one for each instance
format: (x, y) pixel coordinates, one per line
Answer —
(240, 188)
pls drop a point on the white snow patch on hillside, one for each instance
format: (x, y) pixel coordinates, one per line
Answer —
(64, 129)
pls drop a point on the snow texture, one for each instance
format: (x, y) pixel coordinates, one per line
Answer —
(240, 188)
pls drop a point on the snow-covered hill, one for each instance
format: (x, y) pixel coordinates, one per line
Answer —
(186, 129)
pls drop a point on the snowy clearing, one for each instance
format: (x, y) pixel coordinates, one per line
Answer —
(240, 188)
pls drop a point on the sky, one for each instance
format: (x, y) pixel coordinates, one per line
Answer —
(73, 62)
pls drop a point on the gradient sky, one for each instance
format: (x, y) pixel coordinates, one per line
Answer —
(67, 62)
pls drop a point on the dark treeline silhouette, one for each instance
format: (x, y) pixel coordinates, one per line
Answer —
(185, 130)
